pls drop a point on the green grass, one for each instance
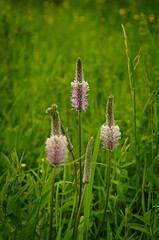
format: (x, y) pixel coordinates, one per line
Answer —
(40, 43)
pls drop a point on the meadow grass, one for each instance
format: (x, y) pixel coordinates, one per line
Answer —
(40, 43)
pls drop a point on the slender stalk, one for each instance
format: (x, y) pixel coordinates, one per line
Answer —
(107, 194)
(70, 148)
(51, 204)
(150, 196)
(78, 213)
(137, 162)
(131, 70)
(75, 165)
(151, 103)
(151, 114)
(80, 164)
(62, 201)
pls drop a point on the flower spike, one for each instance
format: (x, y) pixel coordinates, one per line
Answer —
(110, 133)
(56, 145)
(55, 120)
(56, 148)
(80, 88)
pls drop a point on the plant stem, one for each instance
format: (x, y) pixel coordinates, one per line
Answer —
(151, 115)
(136, 160)
(75, 165)
(70, 148)
(51, 204)
(131, 70)
(107, 194)
(78, 213)
(80, 164)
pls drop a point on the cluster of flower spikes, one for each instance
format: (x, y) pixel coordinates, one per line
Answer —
(110, 133)
(56, 145)
(80, 88)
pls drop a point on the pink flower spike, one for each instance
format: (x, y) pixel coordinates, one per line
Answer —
(110, 133)
(80, 88)
(56, 148)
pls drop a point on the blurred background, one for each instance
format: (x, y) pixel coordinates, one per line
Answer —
(40, 43)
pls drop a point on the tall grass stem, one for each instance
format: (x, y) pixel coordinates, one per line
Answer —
(80, 163)
(131, 70)
(70, 148)
(75, 166)
(51, 204)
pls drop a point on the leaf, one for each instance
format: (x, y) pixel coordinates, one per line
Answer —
(117, 236)
(13, 199)
(141, 218)
(28, 230)
(127, 164)
(8, 163)
(47, 186)
(139, 227)
(45, 199)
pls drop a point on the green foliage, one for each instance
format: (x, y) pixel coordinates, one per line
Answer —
(40, 42)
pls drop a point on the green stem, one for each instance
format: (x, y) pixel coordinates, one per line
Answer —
(136, 160)
(80, 164)
(78, 213)
(75, 165)
(70, 148)
(51, 204)
(151, 107)
(107, 195)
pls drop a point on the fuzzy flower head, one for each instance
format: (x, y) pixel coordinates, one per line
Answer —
(56, 148)
(80, 88)
(56, 145)
(110, 133)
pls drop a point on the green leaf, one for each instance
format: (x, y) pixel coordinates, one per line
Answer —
(28, 230)
(139, 227)
(13, 199)
(9, 165)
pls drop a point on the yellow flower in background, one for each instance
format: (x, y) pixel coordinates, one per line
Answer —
(30, 18)
(23, 164)
(151, 18)
(66, 4)
(82, 18)
(136, 17)
(50, 20)
(75, 17)
(122, 11)
(43, 159)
